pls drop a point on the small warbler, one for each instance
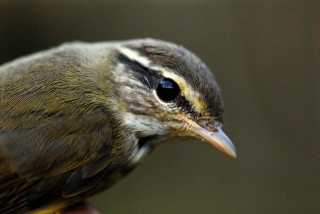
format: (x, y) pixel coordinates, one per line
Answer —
(77, 118)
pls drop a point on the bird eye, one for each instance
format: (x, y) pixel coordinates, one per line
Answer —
(168, 90)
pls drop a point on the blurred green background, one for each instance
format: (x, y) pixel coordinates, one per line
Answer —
(265, 55)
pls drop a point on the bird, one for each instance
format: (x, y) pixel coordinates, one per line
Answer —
(77, 118)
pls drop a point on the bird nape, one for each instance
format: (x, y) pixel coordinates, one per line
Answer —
(77, 118)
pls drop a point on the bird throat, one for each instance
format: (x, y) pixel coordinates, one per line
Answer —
(143, 125)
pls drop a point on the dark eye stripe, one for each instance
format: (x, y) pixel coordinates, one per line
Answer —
(146, 75)
(150, 78)
(186, 106)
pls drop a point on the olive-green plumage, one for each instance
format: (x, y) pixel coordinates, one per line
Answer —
(75, 119)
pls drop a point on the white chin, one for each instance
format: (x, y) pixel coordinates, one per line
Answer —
(144, 125)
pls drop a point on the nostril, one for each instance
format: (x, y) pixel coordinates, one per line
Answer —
(211, 126)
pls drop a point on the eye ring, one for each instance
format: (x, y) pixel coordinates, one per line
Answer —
(168, 90)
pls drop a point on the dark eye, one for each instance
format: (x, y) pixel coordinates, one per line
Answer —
(168, 90)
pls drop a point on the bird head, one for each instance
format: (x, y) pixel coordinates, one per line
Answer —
(165, 90)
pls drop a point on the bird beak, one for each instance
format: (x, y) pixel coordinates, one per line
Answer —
(214, 136)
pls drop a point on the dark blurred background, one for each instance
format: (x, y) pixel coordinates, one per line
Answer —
(265, 55)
